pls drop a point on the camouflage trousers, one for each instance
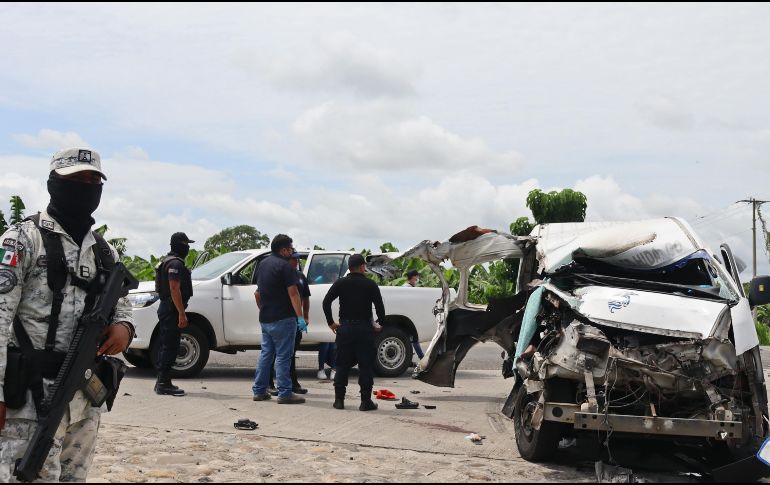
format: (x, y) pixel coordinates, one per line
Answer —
(70, 457)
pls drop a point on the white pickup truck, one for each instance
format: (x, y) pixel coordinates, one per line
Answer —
(224, 316)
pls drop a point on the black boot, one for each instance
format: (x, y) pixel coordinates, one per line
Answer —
(366, 401)
(339, 398)
(298, 389)
(164, 387)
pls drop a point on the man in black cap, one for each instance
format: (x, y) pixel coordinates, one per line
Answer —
(173, 283)
(355, 330)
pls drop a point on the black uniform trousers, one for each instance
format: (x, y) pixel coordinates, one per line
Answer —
(169, 335)
(355, 344)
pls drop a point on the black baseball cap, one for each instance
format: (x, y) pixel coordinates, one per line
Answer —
(355, 261)
(180, 238)
(413, 273)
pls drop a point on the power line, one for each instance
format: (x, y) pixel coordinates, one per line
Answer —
(719, 216)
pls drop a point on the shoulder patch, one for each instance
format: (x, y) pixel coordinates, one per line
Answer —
(42, 261)
(47, 225)
(9, 243)
(8, 281)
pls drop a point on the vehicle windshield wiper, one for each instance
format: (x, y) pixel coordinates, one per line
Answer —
(640, 284)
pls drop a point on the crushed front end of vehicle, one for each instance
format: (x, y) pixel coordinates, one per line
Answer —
(627, 329)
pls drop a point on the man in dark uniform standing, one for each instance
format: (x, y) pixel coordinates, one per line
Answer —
(174, 285)
(355, 330)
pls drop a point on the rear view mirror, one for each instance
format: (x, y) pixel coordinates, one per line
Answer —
(760, 291)
(227, 279)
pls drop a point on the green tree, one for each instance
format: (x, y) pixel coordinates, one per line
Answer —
(237, 238)
(17, 209)
(17, 213)
(565, 206)
(522, 227)
(119, 243)
(388, 248)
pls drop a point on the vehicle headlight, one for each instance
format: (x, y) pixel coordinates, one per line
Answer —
(141, 300)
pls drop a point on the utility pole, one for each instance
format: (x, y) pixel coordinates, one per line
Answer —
(754, 208)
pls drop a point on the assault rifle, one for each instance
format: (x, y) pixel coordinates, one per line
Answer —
(77, 369)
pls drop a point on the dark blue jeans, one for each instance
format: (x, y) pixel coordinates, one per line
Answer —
(168, 335)
(277, 343)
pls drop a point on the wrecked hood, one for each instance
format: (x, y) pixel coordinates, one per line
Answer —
(645, 245)
(649, 312)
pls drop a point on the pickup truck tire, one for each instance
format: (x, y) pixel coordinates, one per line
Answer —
(139, 360)
(194, 349)
(394, 352)
(539, 444)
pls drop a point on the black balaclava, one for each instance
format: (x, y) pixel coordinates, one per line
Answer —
(72, 204)
(180, 249)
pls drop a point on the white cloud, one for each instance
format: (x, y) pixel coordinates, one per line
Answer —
(385, 137)
(51, 139)
(342, 63)
(132, 153)
(667, 113)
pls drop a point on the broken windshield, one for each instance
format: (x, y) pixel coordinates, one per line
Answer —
(696, 275)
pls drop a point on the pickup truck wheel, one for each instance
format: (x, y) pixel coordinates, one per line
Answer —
(193, 353)
(394, 352)
(538, 444)
(138, 360)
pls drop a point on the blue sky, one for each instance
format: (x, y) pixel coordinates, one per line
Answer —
(350, 125)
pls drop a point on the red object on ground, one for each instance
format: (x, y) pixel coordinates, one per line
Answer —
(384, 395)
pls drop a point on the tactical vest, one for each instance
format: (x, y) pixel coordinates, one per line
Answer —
(161, 280)
(39, 364)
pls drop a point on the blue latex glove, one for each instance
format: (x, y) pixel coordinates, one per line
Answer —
(301, 324)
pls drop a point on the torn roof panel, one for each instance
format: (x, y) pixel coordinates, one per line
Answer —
(475, 249)
(643, 245)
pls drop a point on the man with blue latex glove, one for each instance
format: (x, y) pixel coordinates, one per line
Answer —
(302, 324)
(280, 315)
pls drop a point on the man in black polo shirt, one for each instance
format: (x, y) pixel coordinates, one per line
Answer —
(355, 330)
(174, 285)
(280, 315)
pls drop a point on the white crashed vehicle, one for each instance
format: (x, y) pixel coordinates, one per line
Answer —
(628, 328)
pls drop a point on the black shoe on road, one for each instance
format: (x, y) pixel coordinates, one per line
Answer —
(339, 404)
(299, 389)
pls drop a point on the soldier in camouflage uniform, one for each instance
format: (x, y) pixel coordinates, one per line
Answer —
(75, 186)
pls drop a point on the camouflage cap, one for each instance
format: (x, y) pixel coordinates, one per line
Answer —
(73, 160)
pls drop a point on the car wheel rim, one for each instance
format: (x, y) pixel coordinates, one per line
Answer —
(189, 352)
(392, 353)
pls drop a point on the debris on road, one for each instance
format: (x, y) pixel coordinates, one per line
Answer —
(245, 425)
(475, 438)
(384, 395)
(613, 474)
(407, 404)
(428, 406)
